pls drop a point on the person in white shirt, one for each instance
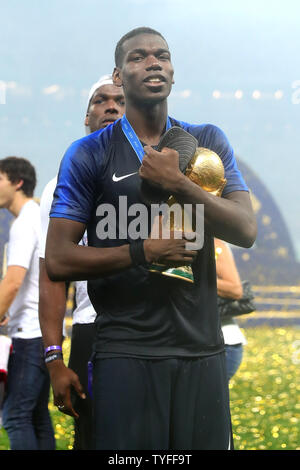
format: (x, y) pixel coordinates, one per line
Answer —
(26, 416)
(105, 105)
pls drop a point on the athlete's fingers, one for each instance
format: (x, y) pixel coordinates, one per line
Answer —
(64, 405)
(78, 388)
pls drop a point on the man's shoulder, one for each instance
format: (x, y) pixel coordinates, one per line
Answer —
(91, 146)
(201, 130)
(28, 219)
(31, 209)
(96, 140)
(209, 136)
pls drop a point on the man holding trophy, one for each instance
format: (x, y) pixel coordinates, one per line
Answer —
(159, 373)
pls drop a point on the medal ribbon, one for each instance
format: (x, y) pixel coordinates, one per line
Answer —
(133, 138)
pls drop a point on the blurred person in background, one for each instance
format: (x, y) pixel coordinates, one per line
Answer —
(26, 416)
(105, 105)
(229, 286)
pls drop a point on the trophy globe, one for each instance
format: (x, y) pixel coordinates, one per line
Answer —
(207, 171)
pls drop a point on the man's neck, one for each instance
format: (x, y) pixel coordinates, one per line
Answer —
(17, 204)
(148, 122)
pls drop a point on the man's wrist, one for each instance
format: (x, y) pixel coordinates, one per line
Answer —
(54, 357)
(149, 253)
(186, 191)
(56, 365)
(52, 348)
(53, 353)
(137, 253)
(175, 186)
(181, 184)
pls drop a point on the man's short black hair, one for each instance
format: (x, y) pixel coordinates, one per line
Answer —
(17, 169)
(119, 53)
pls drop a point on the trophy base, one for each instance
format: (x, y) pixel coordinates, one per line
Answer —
(184, 273)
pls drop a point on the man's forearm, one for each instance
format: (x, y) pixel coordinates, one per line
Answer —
(68, 261)
(229, 289)
(8, 292)
(230, 219)
(83, 263)
(52, 308)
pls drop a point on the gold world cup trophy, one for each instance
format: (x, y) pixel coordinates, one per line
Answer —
(206, 170)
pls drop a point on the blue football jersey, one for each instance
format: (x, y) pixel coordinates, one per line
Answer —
(140, 313)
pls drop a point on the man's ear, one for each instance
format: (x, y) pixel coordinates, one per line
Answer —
(19, 185)
(86, 121)
(117, 77)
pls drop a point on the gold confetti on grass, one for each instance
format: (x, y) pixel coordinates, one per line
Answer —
(264, 394)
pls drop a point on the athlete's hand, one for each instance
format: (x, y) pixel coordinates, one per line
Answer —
(161, 168)
(62, 379)
(169, 250)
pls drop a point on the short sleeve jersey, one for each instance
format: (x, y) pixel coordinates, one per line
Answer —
(84, 312)
(140, 313)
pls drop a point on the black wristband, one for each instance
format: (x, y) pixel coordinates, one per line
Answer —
(136, 250)
(53, 357)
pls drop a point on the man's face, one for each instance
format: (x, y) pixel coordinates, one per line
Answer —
(147, 72)
(7, 191)
(106, 106)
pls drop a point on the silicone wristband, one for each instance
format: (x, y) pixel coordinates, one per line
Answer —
(53, 357)
(52, 348)
(136, 250)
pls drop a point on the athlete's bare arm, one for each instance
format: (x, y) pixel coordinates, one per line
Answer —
(52, 308)
(66, 260)
(230, 218)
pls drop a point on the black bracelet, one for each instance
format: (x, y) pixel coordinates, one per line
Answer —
(136, 250)
(53, 357)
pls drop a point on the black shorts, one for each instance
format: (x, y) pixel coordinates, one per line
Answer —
(175, 403)
(81, 350)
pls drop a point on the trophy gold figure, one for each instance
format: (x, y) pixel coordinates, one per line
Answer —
(207, 171)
